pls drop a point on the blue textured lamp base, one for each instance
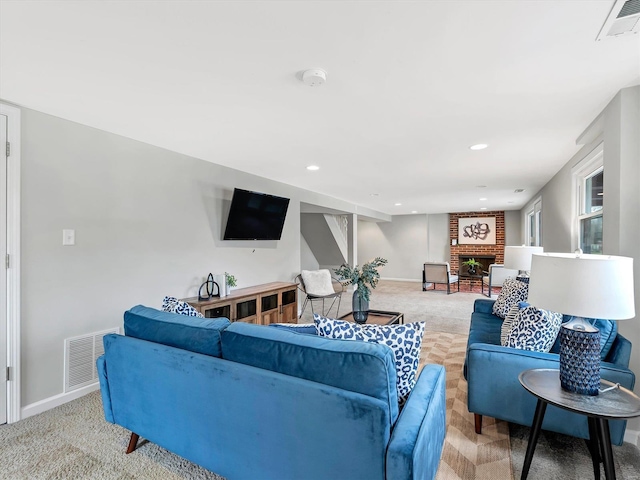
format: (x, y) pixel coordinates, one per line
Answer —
(580, 360)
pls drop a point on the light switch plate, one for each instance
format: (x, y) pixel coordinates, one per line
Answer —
(68, 237)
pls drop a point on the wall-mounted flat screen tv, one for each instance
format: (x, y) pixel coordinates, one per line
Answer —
(255, 216)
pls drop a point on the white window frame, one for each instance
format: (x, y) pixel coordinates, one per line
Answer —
(588, 167)
(535, 214)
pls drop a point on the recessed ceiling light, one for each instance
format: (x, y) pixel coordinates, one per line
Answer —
(374, 194)
(518, 190)
(414, 211)
(479, 146)
(313, 167)
(483, 208)
(397, 204)
(483, 199)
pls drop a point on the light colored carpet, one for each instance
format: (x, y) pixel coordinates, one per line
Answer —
(441, 312)
(73, 441)
(562, 456)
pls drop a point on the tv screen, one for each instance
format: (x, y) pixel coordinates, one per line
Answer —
(255, 216)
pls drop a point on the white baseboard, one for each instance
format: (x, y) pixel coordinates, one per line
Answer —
(401, 279)
(56, 400)
(632, 437)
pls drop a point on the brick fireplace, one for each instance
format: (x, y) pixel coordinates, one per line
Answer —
(482, 253)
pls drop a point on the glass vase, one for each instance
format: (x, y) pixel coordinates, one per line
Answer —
(360, 308)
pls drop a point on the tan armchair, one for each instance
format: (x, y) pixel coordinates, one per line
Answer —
(496, 276)
(438, 272)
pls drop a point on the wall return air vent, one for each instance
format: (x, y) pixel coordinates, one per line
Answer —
(623, 19)
(80, 355)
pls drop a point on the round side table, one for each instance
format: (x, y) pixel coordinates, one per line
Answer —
(618, 403)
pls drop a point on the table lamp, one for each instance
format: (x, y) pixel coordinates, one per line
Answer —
(585, 287)
(519, 258)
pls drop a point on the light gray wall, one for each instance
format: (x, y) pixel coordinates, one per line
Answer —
(407, 242)
(618, 127)
(307, 259)
(621, 220)
(512, 230)
(148, 223)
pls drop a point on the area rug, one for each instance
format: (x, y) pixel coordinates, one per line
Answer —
(465, 455)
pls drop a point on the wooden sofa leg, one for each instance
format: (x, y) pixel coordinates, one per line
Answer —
(478, 420)
(133, 442)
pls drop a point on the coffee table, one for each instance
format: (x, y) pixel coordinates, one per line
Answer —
(378, 317)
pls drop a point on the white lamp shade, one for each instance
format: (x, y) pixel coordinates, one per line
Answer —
(519, 258)
(589, 286)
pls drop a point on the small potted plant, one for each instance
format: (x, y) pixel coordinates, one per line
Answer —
(472, 266)
(362, 279)
(230, 280)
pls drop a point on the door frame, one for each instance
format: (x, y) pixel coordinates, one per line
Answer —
(13, 273)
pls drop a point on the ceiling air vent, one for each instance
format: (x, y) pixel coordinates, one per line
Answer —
(624, 18)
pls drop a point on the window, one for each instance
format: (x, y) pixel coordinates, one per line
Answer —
(589, 182)
(534, 224)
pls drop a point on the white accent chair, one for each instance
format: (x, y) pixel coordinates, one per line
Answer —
(496, 276)
(320, 285)
(438, 272)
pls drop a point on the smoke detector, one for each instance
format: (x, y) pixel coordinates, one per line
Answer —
(624, 18)
(314, 77)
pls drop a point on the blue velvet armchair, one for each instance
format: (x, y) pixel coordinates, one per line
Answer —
(492, 375)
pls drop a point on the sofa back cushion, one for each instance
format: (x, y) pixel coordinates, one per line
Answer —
(360, 367)
(200, 335)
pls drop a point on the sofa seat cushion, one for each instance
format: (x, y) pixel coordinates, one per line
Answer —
(360, 367)
(201, 335)
(404, 340)
(484, 328)
(513, 291)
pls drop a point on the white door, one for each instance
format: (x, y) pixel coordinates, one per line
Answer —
(3, 270)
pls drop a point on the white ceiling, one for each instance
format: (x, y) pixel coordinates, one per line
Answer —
(411, 85)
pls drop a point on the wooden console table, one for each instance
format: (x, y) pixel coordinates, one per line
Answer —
(275, 302)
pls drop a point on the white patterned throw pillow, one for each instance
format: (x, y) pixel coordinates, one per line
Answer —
(513, 291)
(404, 340)
(534, 329)
(173, 305)
(509, 320)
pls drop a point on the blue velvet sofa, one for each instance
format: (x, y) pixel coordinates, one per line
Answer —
(492, 375)
(249, 401)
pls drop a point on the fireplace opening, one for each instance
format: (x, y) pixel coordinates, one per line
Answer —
(485, 260)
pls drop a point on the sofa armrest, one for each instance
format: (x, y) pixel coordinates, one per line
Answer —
(418, 436)
(482, 305)
(101, 365)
